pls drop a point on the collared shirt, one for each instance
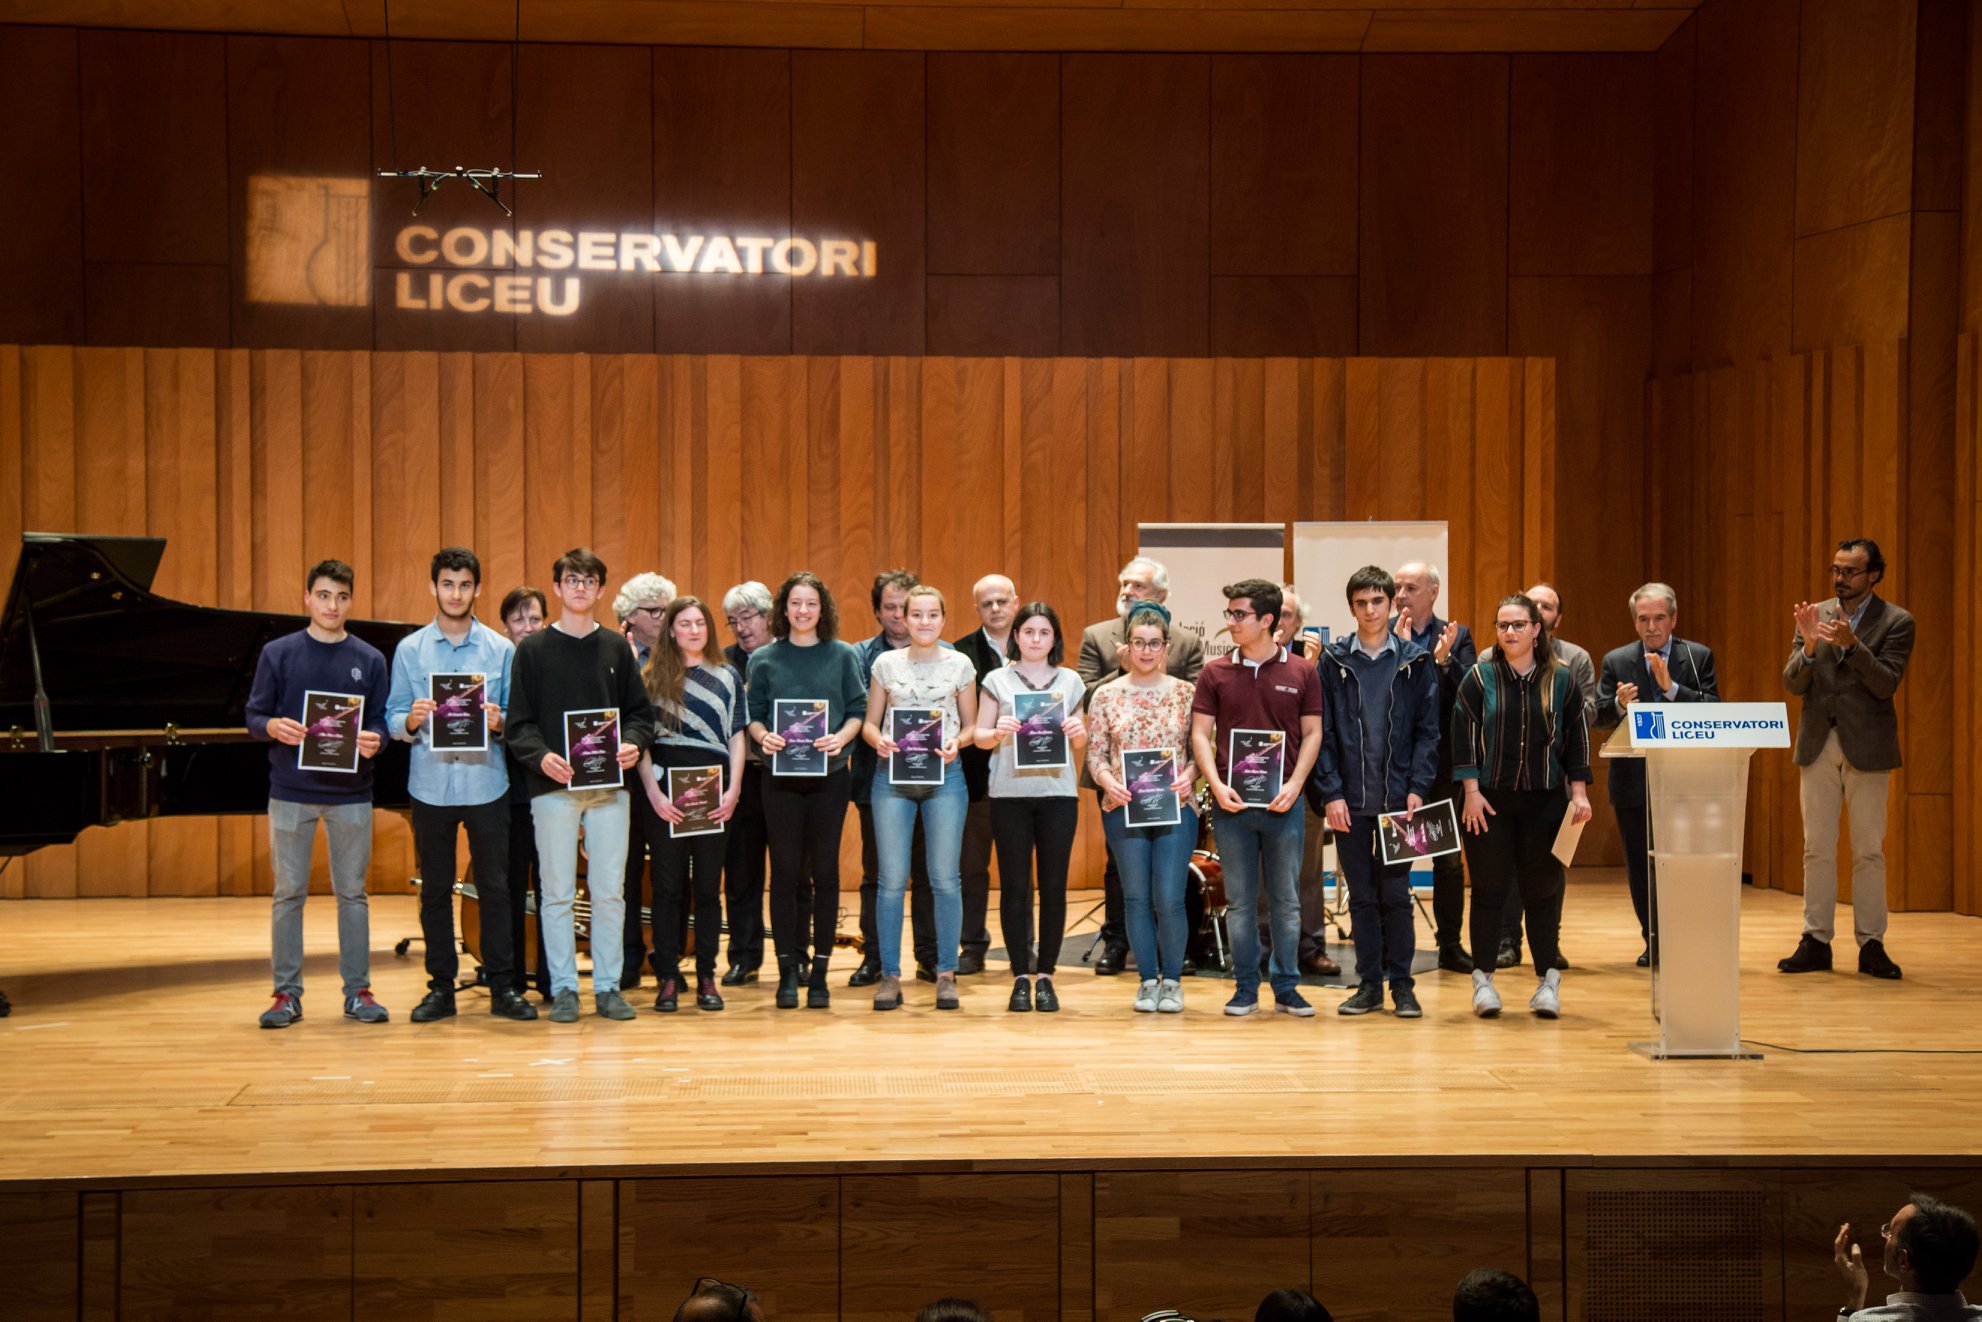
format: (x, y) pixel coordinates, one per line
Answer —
(1857, 617)
(1274, 694)
(1389, 645)
(1917, 1306)
(450, 779)
(1664, 654)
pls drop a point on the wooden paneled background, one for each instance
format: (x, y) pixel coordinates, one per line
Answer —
(1373, 1243)
(256, 463)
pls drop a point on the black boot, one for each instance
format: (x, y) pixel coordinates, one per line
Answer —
(817, 997)
(787, 983)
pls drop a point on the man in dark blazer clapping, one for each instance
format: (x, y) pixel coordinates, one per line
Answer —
(1846, 663)
(1659, 667)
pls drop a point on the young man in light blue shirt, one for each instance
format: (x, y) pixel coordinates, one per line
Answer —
(456, 788)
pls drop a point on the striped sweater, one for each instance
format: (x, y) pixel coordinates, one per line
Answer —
(1519, 732)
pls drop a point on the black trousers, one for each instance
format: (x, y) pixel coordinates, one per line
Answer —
(1379, 907)
(921, 902)
(522, 867)
(804, 816)
(1515, 854)
(1448, 881)
(1029, 830)
(743, 872)
(975, 866)
(691, 865)
(1634, 829)
(1510, 923)
(434, 832)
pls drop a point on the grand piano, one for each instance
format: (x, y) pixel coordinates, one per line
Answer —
(117, 704)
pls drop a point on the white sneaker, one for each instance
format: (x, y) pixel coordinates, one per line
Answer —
(1547, 1000)
(1146, 997)
(1170, 997)
(1486, 1001)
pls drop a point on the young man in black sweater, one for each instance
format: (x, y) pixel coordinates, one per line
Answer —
(577, 666)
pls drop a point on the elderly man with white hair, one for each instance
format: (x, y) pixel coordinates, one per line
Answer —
(747, 609)
(641, 604)
(642, 601)
(1104, 656)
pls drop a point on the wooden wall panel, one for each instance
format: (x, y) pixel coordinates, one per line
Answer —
(1258, 315)
(1136, 140)
(1580, 165)
(1433, 249)
(440, 1252)
(1851, 284)
(1151, 1230)
(782, 1238)
(39, 1246)
(1624, 1231)
(1390, 1246)
(982, 315)
(207, 1253)
(1854, 112)
(40, 85)
(1284, 161)
(858, 167)
(880, 1230)
(154, 147)
(994, 164)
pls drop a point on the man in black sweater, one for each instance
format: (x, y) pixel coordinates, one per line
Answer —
(575, 666)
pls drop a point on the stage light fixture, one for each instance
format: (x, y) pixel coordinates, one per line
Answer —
(486, 182)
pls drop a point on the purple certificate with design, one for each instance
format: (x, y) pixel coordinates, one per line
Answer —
(1254, 765)
(1041, 743)
(918, 736)
(591, 746)
(799, 721)
(696, 791)
(331, 722)
(1149, 775)
(459, 723)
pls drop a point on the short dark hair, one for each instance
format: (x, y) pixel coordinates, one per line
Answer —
(1038, 610)
(1265, 597)
(517, 596)
(892, 578)
(952, 1310)
(579, 560)
(1939, 1240)
(829, 614)
(1875, 560)
(1490, 1295)
(334, 570)
(1371, 576)
(1292, 1306)
(457, 558)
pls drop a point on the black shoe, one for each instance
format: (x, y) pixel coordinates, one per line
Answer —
(1454, 959)
(508, 1004)
(787, 985)
(1189, 968)
(970, 961)
(736, 975)
(923, 973)
(1406, 1003)
(804, 968)
(670, 998)
(1044, 998)
(629, 976)
(1509, 956)
(706, 995)
(1110, 962)
(1874, 962)
(1561, 962)
(817, 995)
(1812, 956)
(1021, 1001)
(437, 1004)
(1367, 997)
(866, 975)
(1645, 958)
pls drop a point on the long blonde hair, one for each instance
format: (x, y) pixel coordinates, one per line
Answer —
(666, 671)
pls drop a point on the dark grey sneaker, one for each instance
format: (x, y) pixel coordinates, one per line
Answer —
(1367, 997)
(364, 1009)
(612, 1005)
(286, 1011)
(564, 1007)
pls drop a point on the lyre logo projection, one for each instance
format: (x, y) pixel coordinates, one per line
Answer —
(309, 241)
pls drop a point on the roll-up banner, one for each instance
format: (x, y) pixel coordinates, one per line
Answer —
(1202, 558)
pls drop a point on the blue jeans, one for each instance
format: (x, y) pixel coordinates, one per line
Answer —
(1379, 907)
(1154, 863)
(292, 835)
(942, 833)
(1261, 849)
(605, 815)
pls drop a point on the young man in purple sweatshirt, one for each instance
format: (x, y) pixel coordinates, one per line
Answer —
(321, 658)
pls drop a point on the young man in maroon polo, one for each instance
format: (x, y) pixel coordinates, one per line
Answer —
(1260, 687)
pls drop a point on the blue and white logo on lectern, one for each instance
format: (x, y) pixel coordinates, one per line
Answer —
(1648, 724)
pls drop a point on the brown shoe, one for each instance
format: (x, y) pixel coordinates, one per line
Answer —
(946, 992)
(1320, 965)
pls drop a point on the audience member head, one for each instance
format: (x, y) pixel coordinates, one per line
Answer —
(1930, 1246)
(1047, 618)
(804, 604)
(1417, 593)
(523, 612)
(712, 1300)
(1141, 579)
(1655, 614)
(889, 597)
(1488, 1295)
(747, 606)
(995, 597)
(1291, 1306)
(642, 601)
(952, 1310)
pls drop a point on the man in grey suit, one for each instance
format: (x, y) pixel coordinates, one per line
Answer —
(1846, 663)
(1549, 602)
(1659, 667)
(1104, 656)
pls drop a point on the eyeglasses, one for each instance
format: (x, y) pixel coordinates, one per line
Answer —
(1842, 571)
(740, 1295)
(1149, 644)
(651, 612)
(578, 582)
(1512, 626)
(743, 617)
(1234, 617)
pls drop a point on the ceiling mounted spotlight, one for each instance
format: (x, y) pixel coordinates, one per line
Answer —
(486, 182)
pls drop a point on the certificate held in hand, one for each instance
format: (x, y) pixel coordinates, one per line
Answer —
(1255, 765)
(460, 724)
(331, 722)
(1433, 830)
(918, 736)
(591, 746)
(799, 722)
(1041, 743)
(1150, 776)
(697, 791)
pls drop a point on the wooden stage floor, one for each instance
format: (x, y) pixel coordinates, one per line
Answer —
(133, 1055)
